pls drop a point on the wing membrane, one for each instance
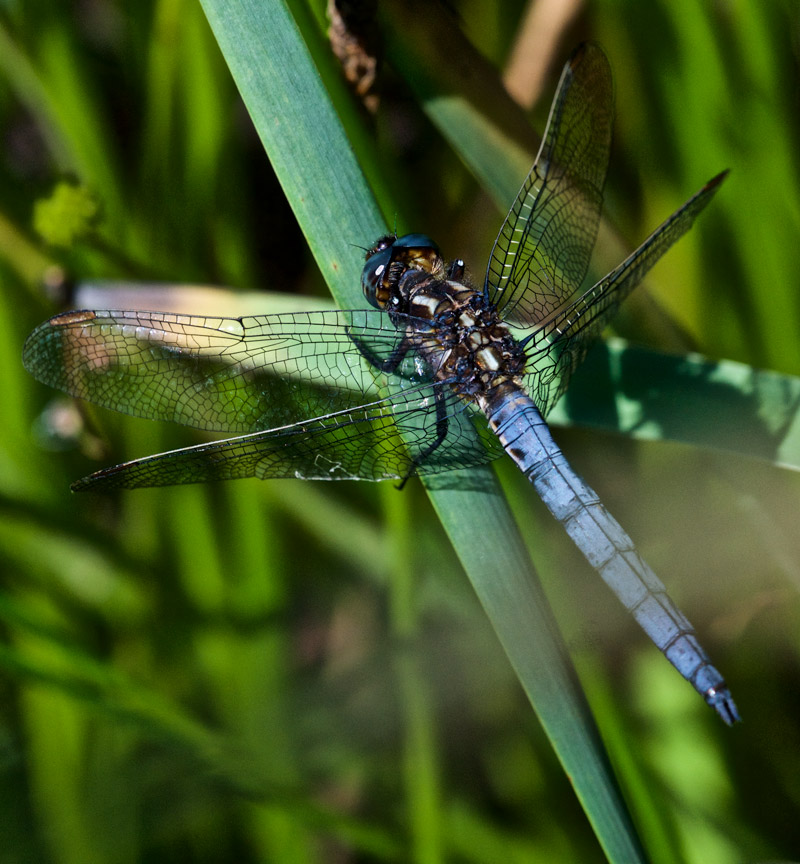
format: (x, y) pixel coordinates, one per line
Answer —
(235, 375)
(296, 388)
(561, 343)
(378, 441)
(542, 252)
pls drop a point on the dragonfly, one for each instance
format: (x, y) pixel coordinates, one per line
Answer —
(436, 374)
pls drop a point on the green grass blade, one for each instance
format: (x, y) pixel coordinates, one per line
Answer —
(271, 62)
(651, 396)
(302, 134)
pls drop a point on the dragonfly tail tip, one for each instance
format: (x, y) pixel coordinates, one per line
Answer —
(722, 702)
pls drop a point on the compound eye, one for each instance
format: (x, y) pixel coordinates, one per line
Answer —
(395, 254)
(415, 241)
(374, 282)
(417, 251)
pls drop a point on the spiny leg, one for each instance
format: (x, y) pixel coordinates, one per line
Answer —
(442, 426)
(391, 363)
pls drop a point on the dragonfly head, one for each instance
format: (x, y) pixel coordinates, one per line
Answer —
(389, 257)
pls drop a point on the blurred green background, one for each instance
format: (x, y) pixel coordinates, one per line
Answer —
(207, 674)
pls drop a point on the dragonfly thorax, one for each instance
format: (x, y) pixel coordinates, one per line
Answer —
(450, 324)
(466, 343)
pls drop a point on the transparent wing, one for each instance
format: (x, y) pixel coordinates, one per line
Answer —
(541, 255)
(560, 344)
(296, 388)
(220, 374)
(390, 438)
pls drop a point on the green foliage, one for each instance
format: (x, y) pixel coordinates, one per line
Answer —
(280, 670)
(66, 217)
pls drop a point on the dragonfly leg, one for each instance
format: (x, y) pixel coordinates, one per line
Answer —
(442, 426)
(388, 365)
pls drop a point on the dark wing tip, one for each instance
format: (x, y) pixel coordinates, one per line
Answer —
(74, 317)
(714, 182)
(589, 49)
(36, 343)
(93, 482)
(581, 50)
(125, 475)
(578, 54)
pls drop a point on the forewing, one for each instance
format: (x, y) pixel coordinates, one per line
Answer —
(542, 252)
(564, 337)
(236, 375)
